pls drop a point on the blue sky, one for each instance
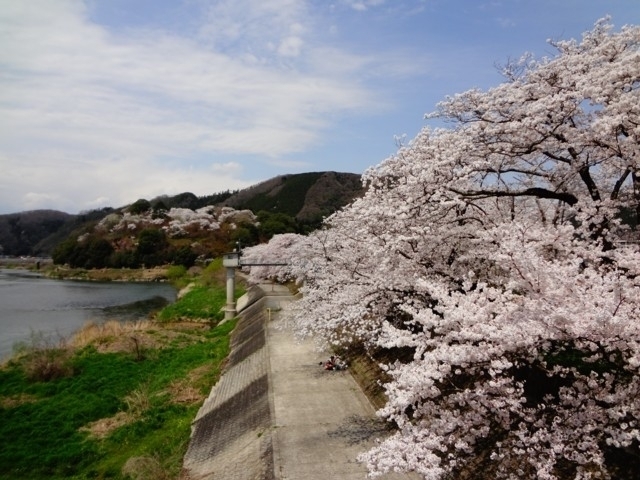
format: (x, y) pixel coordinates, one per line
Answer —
(103, 102)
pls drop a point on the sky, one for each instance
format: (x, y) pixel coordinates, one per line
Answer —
(104, 102)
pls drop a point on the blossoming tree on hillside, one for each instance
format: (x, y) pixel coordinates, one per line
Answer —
(487, 257)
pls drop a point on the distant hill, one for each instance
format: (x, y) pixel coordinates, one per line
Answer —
(306, 197)
(20, 233)
(37, 232)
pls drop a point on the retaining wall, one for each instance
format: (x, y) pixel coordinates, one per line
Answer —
(231, 435)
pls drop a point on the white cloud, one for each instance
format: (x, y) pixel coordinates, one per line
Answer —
(107, 182)
(74, 97)
(506, 22)
(98, 202)
(34, 200)
(237, 26)
(228, 168)
(290, 46)
(363, 5)
(92, 110)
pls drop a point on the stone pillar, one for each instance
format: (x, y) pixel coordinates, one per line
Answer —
(230, 309)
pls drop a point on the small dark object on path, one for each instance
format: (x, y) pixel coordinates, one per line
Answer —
(334, 363)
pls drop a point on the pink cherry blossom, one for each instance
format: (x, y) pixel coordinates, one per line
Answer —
(492, 259)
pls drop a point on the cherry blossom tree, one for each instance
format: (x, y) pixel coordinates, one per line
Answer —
(486, 260)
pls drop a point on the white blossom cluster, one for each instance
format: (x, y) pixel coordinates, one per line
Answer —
(289, 249)
(177, 222)
(489, 253)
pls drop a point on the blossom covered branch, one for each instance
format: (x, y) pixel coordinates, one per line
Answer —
(495, 254)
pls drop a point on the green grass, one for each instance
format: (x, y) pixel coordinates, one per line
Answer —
(205, 300)
(200, 303)
(41, 436)
(176, 273)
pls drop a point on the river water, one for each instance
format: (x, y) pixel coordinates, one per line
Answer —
(32, 304)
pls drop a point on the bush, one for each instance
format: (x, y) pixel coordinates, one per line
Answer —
(184, 256)
(176, 272)
(152, 244)
(140, 206)
(44, 361)
(49, 364)
(92, 252)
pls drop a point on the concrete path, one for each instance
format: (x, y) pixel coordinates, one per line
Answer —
(323, 421)
(276, 414)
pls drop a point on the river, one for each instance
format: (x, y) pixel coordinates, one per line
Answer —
(32, 304)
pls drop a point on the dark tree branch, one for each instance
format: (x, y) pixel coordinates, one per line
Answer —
(585, 175)
(618, 185)
(565, 197)
(557, 157)
(500, 171)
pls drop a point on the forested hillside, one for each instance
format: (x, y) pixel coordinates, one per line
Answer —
(23, 233)
(306, 196)
(284, 204)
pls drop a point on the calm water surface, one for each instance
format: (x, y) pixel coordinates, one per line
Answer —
(30, 303)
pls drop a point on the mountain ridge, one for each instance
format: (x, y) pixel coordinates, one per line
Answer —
(307, 197)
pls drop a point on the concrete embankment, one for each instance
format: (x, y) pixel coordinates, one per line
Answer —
(231, 433)
(275, 413)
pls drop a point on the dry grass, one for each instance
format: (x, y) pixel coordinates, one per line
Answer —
(183, 391)
(134, 337)
(103, 427)
(101, 333)
(17, 400)
(45, 359)
(138, 402)
(114, 336)
(144, 468)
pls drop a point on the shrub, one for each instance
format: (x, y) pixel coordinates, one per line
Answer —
(44, 361)
(140, 206)
(176, 272)
(48, 365)
(139, 400)
(184, 256)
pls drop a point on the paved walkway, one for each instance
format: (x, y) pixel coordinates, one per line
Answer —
(276, 414)
(323, 421)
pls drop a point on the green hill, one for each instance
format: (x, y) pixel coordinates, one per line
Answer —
(287, 203)
(306, 196)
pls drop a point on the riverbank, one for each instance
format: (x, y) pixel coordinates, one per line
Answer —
(113, 401)
(120, 407)
(34, 304)
(46, 267)
(27, 263)
(156, 274)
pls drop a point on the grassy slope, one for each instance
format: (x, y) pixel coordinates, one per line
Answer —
(47, 428)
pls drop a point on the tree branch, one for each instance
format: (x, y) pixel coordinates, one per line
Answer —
(529, 192)
(618, 185)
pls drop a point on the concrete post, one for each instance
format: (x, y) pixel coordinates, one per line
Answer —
(230, 309)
